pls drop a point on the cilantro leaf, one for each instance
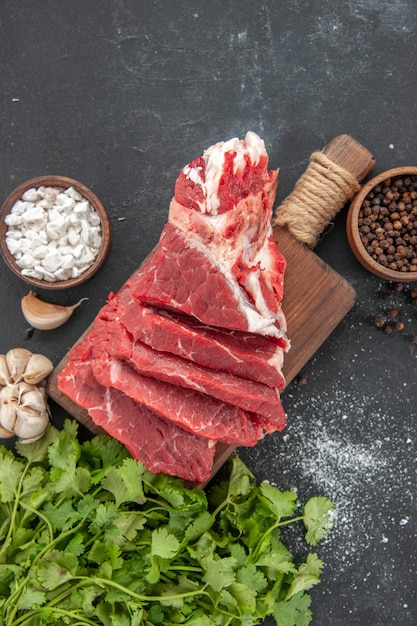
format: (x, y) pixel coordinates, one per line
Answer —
(10, 475)
(318, 520)
(103, 517)
(294, 612)
(220, 572)
(30, 598)
(252, 577)
(70, 481)
(245, 596)
(37, 451)
(76, 545)
(61, 516)
(164, 543)
(102, 452)
(200, 524)
(280, 503)
(241, 480)
(57, 568)
(127, 526)
(307, 576)
(125, 482)
(64, 451)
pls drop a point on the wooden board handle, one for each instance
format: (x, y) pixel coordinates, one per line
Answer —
(332, 178)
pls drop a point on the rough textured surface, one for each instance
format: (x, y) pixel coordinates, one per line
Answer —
(119, 95)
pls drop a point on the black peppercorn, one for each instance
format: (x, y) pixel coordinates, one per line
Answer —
(379, 321)
(387, 221)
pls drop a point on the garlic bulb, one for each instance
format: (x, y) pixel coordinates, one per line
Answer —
(44, 315)
(23, 398)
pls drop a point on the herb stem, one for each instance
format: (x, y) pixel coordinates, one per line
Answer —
(43, 518)
(53, 612)
(40, 554)
(106, 582)
(8, 537)
(269, 530)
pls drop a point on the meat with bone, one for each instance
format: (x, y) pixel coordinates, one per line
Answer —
(217, 259)
(158, 443)
(214, 283)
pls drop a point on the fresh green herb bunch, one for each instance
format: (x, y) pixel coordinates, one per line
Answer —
(88, 536)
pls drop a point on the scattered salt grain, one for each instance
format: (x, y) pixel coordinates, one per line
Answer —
(53, 233)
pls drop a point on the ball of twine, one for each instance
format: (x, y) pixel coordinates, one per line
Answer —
(318, 196)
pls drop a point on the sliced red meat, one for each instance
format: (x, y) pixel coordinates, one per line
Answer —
(158, 443)
(182, 351)
(196, 412)
(217, 259)
(163, 366)
(249, 356)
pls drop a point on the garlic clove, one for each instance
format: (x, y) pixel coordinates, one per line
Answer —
(5, 377)
(5, 434)
(24, 387)
(34, 399)
(16, 360)
(37, 369)
(8, 393)
(8, 415)
(44, 315)
(30, 424)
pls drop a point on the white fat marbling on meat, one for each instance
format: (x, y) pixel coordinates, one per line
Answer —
(214, 156)
(193, 173)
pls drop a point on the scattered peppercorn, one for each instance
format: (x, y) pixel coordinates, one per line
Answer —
(388, 329)
(379, 321)
(393, 313)
(388, 224)
(414, 339)
(399, 326)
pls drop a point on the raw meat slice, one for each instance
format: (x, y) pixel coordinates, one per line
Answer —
(158, 443)
(163, 366)
(217, 259)
(249, 356)
(191, 410)
(217, 422)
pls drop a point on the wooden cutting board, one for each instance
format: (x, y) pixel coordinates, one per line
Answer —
(316, 297)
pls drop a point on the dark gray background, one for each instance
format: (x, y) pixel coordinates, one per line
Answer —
(120, 94)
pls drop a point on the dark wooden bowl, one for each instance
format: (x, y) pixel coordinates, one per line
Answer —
(65, 183)
(353, 233)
